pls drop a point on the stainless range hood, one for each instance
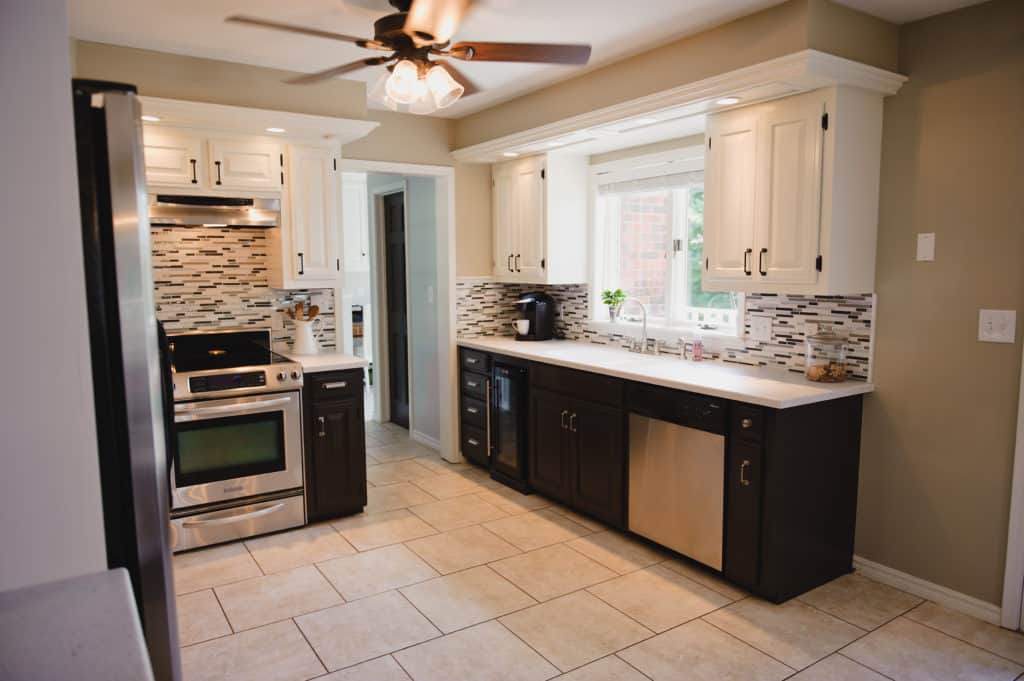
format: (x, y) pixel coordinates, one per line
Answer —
(168, 210)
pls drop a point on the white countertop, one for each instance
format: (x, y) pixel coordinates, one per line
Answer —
(768, 387)
(326, 361)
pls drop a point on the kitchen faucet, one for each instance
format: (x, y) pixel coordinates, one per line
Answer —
(640, 347)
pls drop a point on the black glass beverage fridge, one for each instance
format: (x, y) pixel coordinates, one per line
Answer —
(508, 419)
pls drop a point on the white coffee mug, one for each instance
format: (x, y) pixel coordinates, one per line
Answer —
(522, 326)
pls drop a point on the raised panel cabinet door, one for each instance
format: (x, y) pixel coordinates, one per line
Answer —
(743, 478)
(245, 164)
(788, 214)
(338, 476)
(172, 158)
(599, 480)
(529, 234)
(315, 224)
(355, 223)
(503, 207)
(549, 444)
(729, 195)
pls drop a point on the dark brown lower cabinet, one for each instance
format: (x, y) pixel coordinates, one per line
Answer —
(549, 445)
(742, 524)
(335, 446)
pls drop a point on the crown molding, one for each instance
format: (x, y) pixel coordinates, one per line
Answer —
(787, 75)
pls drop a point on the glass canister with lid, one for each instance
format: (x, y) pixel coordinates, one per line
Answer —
(826, 355)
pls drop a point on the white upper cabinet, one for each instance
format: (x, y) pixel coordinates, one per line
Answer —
(791, 194)
(245, 164)
(173, 157)
(309, 246)
(539, 219)
(355, 223)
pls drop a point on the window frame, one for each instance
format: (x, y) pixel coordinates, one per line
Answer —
(641, 167)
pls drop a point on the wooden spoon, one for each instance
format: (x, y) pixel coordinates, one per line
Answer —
(314, 310)
(298, 310)
(290, 312)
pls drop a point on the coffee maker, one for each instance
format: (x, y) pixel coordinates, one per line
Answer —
(538, 308)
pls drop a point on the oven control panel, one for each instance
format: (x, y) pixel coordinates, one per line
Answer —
(217, 382)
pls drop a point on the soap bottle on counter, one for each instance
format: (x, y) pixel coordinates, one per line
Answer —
(698, 349)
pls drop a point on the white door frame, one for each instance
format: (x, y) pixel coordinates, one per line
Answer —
(378, 301)
(1013, 577)
(447, 380)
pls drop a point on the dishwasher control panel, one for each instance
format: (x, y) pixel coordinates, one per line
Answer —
(677, 406)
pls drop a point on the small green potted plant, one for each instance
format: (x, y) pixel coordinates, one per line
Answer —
(614, 300)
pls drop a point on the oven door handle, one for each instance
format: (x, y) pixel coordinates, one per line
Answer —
(228, 519)
(189, 409)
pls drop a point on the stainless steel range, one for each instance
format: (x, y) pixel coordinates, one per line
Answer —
(236, 465)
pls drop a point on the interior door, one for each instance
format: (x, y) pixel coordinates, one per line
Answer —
(789, 189)
(729, 195)
(314, 210)
(549, 447)
(528, 242)
(398, 324)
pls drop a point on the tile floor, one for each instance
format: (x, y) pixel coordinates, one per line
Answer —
(449, 576)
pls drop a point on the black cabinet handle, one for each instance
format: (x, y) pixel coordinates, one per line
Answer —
(517, 262)
(744, 480)
(565, 412)
(471, 360)
(472, 410)
(572, 423)
(217, 163)
(760, 261)
(195, 180)
(302, 262)
(509, 264)
(746, 261)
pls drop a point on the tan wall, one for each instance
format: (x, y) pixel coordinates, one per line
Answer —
(939, 432)
(790, 27)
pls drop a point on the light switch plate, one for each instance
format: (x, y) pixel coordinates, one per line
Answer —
(926, 247)
(760, 328)
(997, 326)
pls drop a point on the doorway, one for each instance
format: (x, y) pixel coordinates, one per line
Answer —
(393, 226)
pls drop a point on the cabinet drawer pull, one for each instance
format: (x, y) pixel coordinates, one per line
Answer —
(472, 410)
(572, 423)
(743, 473)
(760, 262)
(320, 420)
(473, 442)
(746, 261)
(509, 263)
(195, 180)
(471, 360)
(565, 413)
(517, 262)
(472, 384)
(302, 264)
(335, 385)
(747, 423)
(217, 163)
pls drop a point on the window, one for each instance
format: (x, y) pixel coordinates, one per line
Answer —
(649, 242)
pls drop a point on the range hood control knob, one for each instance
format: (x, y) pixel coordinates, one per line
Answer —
(281, 376)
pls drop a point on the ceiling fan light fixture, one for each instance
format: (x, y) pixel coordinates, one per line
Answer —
(444, 89)
(404, 85)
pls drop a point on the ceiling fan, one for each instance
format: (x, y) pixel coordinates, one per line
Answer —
(418, 38)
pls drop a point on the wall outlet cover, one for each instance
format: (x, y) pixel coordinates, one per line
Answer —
(926, 247)
(997, 326)
(760, 328)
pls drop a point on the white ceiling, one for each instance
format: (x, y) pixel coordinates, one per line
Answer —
(615, 29)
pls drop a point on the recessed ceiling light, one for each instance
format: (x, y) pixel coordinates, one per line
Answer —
(275, 130)
(728, 101)
(510, 154)
(151, 119)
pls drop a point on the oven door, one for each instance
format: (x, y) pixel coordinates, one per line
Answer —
(235, 448)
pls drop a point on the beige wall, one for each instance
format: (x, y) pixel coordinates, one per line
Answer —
(938, 434)
(790, 27)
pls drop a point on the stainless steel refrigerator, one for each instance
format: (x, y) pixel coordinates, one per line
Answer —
(129, 369)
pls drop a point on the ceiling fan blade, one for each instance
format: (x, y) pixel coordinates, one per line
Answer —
(276, 25)
(337, 71)
(435, 21)
(460, 78)
(521, 52)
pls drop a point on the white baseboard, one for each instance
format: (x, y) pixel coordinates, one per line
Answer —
(423, 439)
(954, 600)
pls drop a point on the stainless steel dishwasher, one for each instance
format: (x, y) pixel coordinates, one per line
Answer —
(677, 471)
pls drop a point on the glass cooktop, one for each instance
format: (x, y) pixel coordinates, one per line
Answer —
(222, 350)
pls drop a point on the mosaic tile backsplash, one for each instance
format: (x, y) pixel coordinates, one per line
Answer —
(216, 277)
(487, 308)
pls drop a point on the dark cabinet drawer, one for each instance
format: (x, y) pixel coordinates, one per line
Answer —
(474, 412)
(474, 444)
(331, 385)
(477, 361)
(474, 385)
(747, 422)
(580, 384)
